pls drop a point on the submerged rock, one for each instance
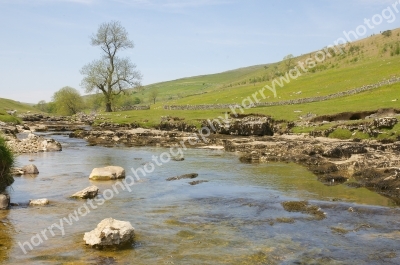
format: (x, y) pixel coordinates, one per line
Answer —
(16, 171)
(107, 173)
(186, 176)
(110, 233)
(39, 202)
(30, 169)
(4, 201)
(196, 182)
(304, 207)
(88, 193)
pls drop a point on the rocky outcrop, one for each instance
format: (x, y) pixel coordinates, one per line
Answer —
(375, 165)
(373, 129)
(137, 137)
(39, 128)
(33, 144)
(247, 126)
(4, 201)
(385, 123)
(107, 173)
(88, 193)
(30, 170)
(110, 233)
(39, 202)
(77, 118)
(345, 150)
(176, 126)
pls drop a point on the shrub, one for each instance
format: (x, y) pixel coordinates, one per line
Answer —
(5, 117)
(387, 33)
(342, 134)
(6, 162)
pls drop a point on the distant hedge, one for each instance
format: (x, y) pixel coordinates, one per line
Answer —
(6, 162)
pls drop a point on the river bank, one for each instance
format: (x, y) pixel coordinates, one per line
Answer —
(357, 163)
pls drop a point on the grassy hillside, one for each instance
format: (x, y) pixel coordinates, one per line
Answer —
(364, 62)
(8, 104)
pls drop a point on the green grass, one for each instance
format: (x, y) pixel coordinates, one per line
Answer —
(370, 100)
(342, 134)
(8, 104)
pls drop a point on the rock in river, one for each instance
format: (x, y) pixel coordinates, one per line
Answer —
(38, 202)
(88, 193)
(50, 145)
(186, 176)
(30, 169)
(110, 233)
(4, 201)
(107, 173)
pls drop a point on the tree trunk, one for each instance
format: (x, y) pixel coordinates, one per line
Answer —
(108, 107)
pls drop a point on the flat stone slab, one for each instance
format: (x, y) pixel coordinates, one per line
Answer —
(87, 193)
(107, 173)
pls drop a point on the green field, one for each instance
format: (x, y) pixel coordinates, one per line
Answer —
(8, 104)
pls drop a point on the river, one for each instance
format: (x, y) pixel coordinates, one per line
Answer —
(236, 217)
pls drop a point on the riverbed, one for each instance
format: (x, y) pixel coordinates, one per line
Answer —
(236, 217)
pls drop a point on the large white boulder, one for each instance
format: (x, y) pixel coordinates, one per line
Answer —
(110, 233)
(88, 193)
(107, 173)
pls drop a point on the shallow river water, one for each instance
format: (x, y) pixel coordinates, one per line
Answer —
(236, 217)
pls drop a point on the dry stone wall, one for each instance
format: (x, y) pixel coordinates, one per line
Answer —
(286, 102)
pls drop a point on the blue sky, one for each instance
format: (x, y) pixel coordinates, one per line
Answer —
(45, 43)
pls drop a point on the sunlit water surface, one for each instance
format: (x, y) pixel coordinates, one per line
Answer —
(235, 218)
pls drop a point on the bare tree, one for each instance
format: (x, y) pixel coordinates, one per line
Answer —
(153, 95)
(111, 75)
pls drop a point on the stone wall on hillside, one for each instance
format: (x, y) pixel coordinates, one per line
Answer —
(133, 107)
(286, 102)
